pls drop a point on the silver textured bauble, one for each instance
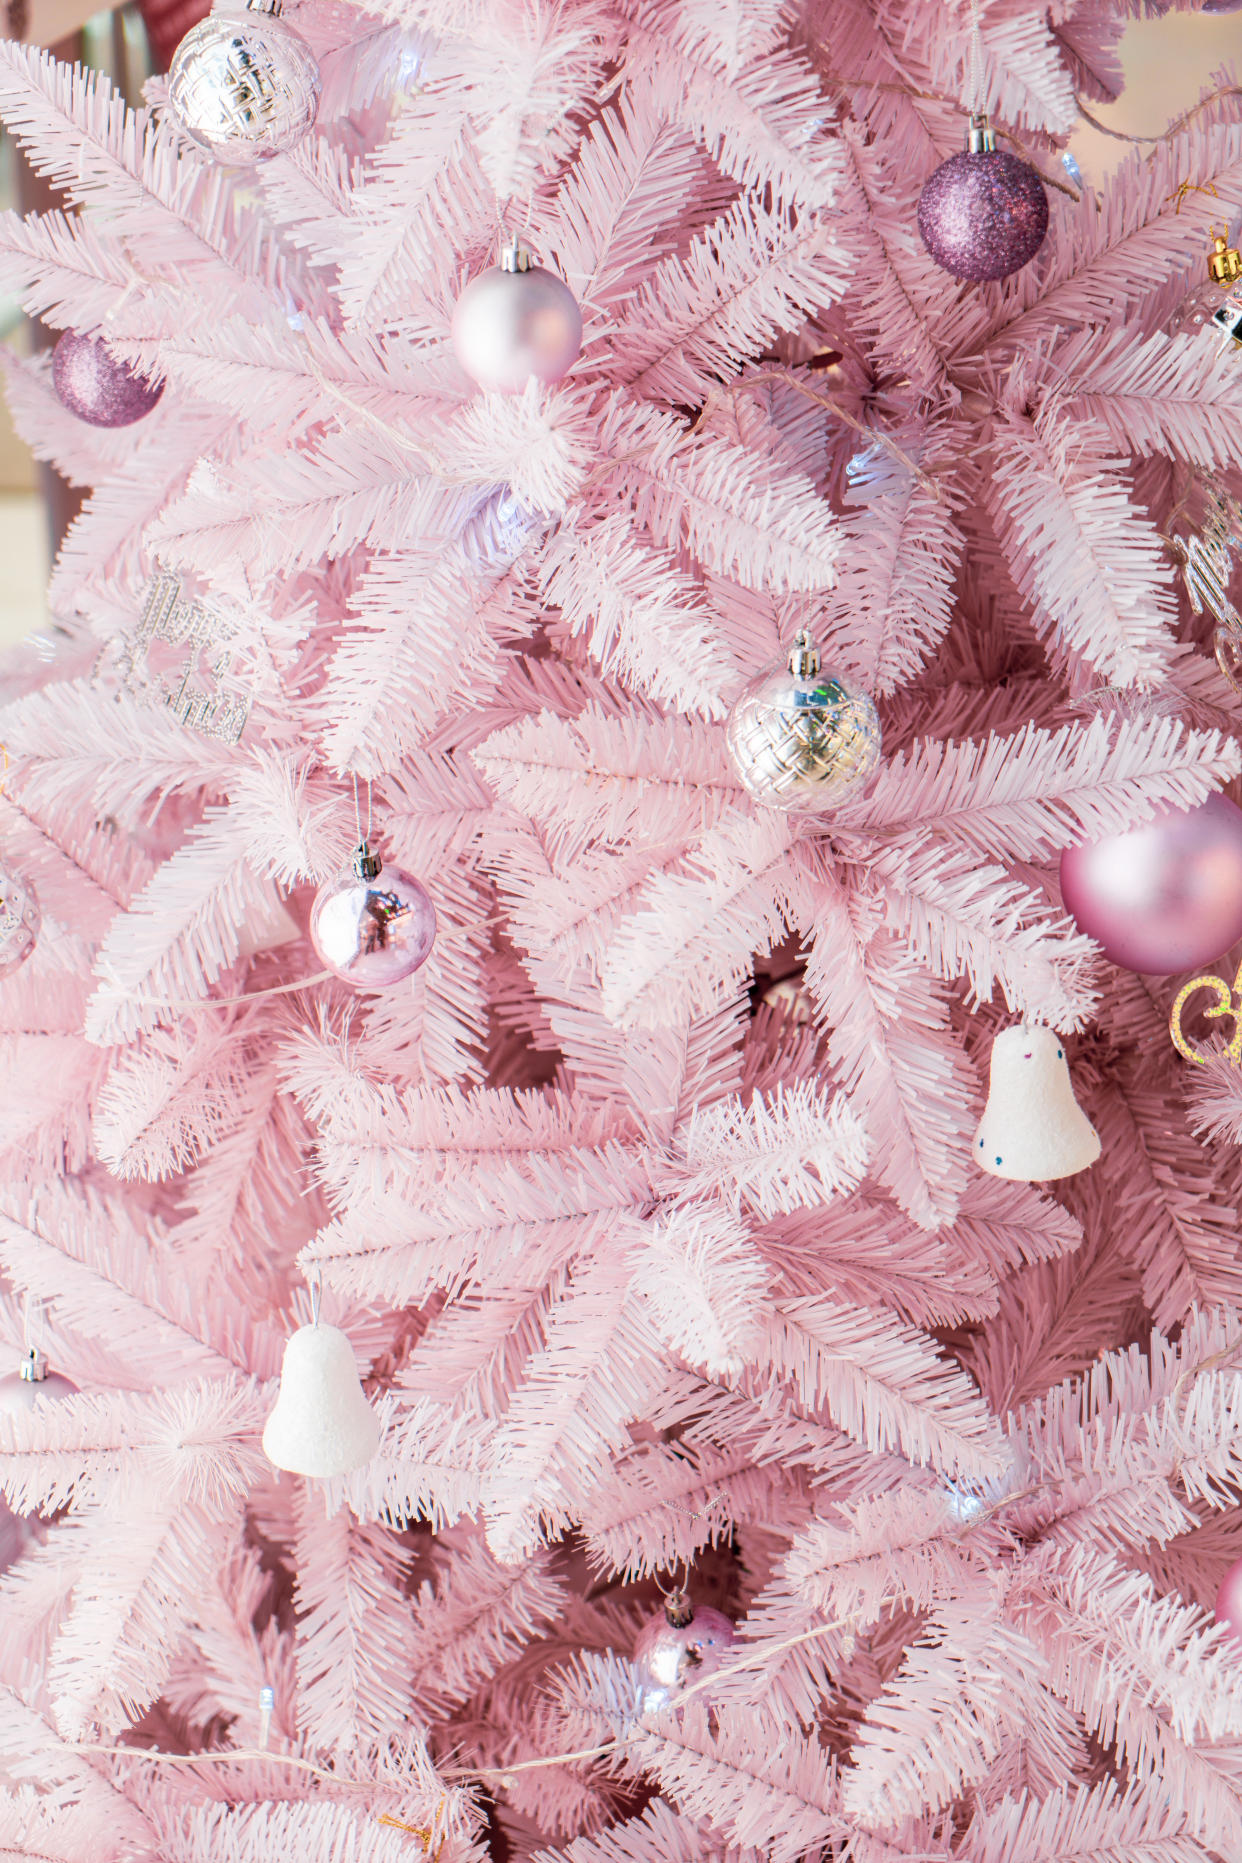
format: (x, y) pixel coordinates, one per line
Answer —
(801, 738)
(678, 1648)
(20, 920)
(244, 87)
(372, 925)
(33, 1384)
(514, 323)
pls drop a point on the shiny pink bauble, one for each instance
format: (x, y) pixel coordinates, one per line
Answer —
(1165, 897)
(671, 1657)
(512, 327)
(1229, 1602)
(373, 932)
(97, 386)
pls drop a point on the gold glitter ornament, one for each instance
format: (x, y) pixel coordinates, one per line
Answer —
(802, 739)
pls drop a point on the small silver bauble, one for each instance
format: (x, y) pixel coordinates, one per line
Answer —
(801, 738)
(372, 925)
(681, 1646)
(20, 919)
(244, 87)
(516, 322)
(32, 1384)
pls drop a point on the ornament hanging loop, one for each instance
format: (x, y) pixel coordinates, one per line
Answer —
(316, 1293)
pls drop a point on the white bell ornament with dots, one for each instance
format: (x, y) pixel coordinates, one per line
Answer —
(1033, 1129)
(321, 1424)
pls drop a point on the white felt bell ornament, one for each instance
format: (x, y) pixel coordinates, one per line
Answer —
(1033, 1128)
(321, 1424)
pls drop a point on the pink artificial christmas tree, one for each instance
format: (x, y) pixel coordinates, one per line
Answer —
(648, 1202)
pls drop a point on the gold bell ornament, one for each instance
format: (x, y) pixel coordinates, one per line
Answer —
(1033, 1128)
(321, 1424)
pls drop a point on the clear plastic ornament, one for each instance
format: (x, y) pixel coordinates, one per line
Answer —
(20, 919)
(803, 739)
(244, 88)
(1194, 314)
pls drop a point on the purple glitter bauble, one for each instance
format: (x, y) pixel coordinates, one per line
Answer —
(983, 214)
(1164, 897)
(97, 386)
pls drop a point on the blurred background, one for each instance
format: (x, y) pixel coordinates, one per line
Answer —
(1168, 62)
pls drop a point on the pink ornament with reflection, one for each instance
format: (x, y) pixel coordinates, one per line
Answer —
(516, 323)
(1164, 897)
(684, 1644)
(1229, 1602)
(372, 925)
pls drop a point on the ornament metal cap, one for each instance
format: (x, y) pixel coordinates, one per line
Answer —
(33, 1368)
(273, 8)
(515, 258)
(804, 660)
(1224, 261)
(367, 866)
(980, 137)
(679, 1609)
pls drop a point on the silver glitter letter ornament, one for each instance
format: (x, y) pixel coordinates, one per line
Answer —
(244, 87)
(802, 739)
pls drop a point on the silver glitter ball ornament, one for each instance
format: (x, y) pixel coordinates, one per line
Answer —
(516, 323)
(20, 920)
(244, 87)
(372, 925)
(680, 1647)
(800, 738)
(32, 1384)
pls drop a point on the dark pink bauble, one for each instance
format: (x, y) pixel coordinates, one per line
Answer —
(983, 214)
(97, 386)
(1165, 897)
(1229, 1601)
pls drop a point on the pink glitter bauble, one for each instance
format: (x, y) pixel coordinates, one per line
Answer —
(97, 386)
(1229, 1601)
(1164, 897)
(371, 925)
(515, 324)
(983, 214)
(680, 1646)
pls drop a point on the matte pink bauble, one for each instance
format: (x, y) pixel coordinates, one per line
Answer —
(681, 1646)
(32, 1384)
(1165, 897)
(1229, 1601)
(516, 323)
(372, 925)
(97, 386)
